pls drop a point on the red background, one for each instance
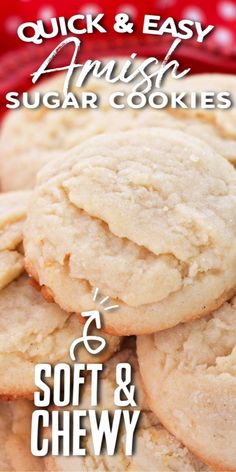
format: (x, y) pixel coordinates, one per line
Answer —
(221, 13)
(18, 59)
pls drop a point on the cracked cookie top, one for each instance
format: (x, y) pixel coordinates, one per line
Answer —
(148, 216)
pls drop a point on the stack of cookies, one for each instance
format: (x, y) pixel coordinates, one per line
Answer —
(142, 206)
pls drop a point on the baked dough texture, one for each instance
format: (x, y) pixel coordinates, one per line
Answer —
(199, 126)
(31, 138)
(13, 208)
(223, 118)
(216, 124)
(15, 426)
(148, 216)
(33, 331)
(189, 375)
(155, 449)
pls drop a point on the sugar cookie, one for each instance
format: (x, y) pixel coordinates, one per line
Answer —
(15, 426)
(13, 208)
(189, 375)
(220, 122)
(155, 449)
(31, 138)
(33, 331)
(147, 216)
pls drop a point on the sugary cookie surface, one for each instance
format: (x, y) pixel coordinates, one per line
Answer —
(191, 383)
(13, 209)
(33, 331)
(155, 449)
(31, 138)
(15, 425)
(148, 205)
